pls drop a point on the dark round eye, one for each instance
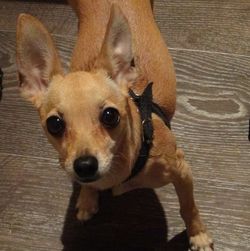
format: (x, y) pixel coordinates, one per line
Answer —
(110, 117)
(55, 126)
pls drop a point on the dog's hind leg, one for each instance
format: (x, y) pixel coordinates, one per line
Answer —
(183, 183)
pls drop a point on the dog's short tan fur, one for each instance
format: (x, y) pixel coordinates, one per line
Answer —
(100, 76)
(150, 52)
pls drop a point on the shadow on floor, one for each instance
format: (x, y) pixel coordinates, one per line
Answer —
(134, 221)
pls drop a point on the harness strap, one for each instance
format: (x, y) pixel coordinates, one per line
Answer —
(146, 106)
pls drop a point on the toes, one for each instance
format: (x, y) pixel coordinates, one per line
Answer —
(201, 242)
(86, 211)
(84, 215)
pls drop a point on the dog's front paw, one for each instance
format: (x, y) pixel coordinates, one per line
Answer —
(201, 242)
(85, 214)
(87, 207)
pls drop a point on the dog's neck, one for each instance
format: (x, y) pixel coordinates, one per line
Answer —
(135, 133)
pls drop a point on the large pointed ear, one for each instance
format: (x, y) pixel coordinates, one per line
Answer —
(116, 53)
(37, 58)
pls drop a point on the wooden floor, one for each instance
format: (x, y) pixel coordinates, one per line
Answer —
(210, 44)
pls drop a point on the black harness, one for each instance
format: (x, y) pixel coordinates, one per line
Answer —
(146, 106)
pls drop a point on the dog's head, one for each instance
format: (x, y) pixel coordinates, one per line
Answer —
(87, 116)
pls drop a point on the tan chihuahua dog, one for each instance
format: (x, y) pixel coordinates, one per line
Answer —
(88, 114)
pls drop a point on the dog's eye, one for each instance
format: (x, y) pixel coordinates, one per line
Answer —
(55, 126)
(110, 117)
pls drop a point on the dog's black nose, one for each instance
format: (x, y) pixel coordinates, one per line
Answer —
(86, 168)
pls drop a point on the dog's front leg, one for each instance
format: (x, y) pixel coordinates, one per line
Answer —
(87, 203)
(183, 182)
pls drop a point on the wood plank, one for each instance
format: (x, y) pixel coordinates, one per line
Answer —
(211, 124)
(57, 17)
(34, 194)
(213, 105)
(197, 25)
(213, 93)
(34, 200)
(211, 25)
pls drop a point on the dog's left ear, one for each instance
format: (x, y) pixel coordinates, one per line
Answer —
(116, 53)
(37, 58)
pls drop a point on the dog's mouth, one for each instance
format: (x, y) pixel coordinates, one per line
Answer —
(86, 180)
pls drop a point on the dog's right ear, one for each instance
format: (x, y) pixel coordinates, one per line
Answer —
(37, 58)
(116, 52)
